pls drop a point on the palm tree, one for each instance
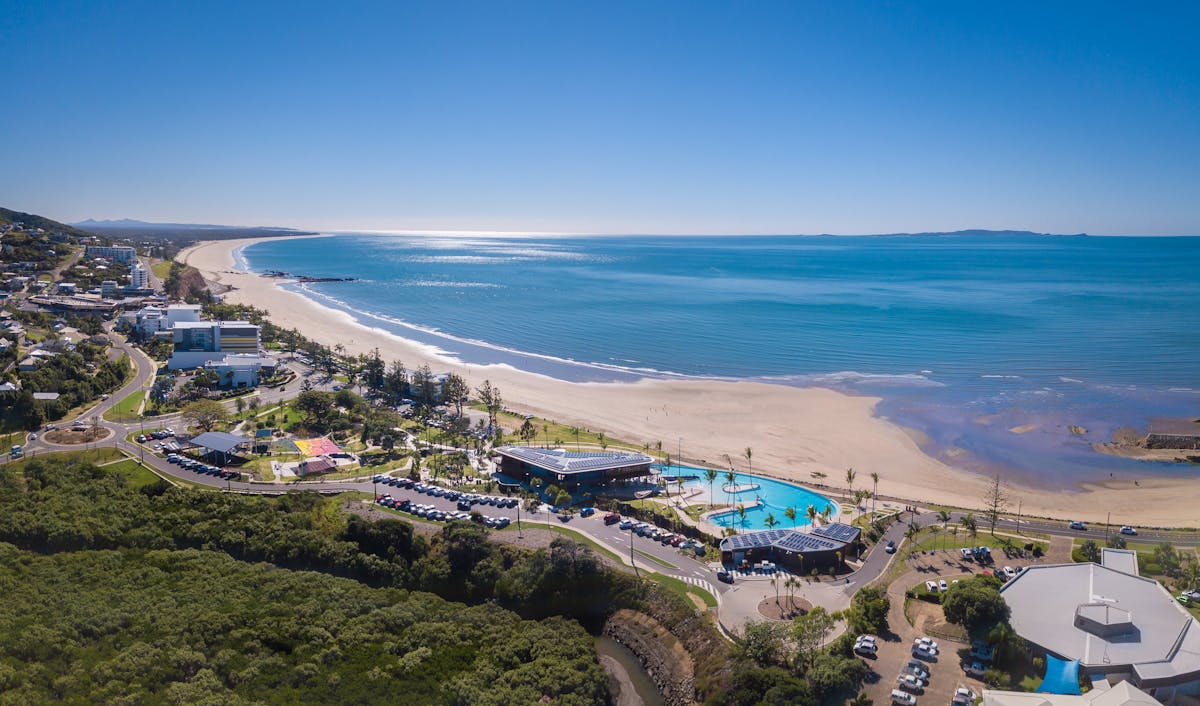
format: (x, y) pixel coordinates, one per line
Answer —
(731, 477)
(972, 525)
(790, 513)
(850, 474)
(875, 491)
(826, 513)
(741, 511)
(944, 518)
(711, 475)
(935, 530)
(812, 515)
(775, 585)
(1190, 577)
(911, 533)
(749, 453)
(801, 558)
(770, 522)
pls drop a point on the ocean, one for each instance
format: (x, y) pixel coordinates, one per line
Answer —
(965, 337)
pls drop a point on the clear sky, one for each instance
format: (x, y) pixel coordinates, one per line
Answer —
(624, 117)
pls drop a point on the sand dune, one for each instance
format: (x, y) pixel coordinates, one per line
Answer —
(794, 432)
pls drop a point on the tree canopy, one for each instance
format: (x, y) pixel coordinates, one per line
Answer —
(975, 602)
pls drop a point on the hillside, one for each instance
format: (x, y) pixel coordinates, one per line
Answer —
(8, 217)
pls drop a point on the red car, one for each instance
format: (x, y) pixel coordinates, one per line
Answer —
(612, 518)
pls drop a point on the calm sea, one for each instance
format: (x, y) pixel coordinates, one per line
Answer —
(965, 337)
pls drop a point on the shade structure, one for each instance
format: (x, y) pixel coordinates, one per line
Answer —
(1062, 676)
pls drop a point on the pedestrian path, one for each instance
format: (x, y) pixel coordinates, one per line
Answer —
(700, 583)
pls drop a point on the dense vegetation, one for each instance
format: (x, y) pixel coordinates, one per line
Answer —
(79, 376)
(161, 585)
(192, 627)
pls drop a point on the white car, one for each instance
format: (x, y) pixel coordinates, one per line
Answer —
(1009, 573)
(926, 642)
(942, 586)
(1128, 530)
(924, 652)
(963, 697)
(967, 555)
(910, 683)
(867, 649)
(975, 669)
(903, 698)
(931, 586)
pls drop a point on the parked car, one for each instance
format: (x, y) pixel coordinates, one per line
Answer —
(910, 683)
(890, 548)
(1077, 525)
(924, 652)
(1128, 530)
(926, 642)
(943, 586)
(975, 669)
(903, 698)
(626, 524)
(585, 512)
(963, 697)
(866, 645)
(918, 668)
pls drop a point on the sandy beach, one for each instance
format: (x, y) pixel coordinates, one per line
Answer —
(794, 432)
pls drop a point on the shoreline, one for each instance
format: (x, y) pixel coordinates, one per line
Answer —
(793, 431)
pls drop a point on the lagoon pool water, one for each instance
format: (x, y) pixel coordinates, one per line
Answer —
(762, 497)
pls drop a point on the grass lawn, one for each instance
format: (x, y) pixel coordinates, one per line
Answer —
(927, 541)
(100, 455)
(161, 269)
(135, 473)
(656, 560)
(554, 433)
(126, 408)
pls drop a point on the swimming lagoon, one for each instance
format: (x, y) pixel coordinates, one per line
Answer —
(761, 497)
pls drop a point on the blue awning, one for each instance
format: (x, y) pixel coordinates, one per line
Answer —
(1062, 677)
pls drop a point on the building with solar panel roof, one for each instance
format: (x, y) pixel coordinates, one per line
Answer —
(572, 468)
(794, 549)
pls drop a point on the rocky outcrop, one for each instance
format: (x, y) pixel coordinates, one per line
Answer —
(662, 656)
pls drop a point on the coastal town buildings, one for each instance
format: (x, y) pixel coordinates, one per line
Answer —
(197, 341)
(1116, 624)
(139, 276)
(240, 370)
(117, 253)
(153, 319)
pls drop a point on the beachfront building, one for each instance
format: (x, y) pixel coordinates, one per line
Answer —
(1115, 624)
(1101, 694)
(152, 319)
(197, 341)
(139, 276)
(240, 370)
(117, 253)
(108, 289)
(797, 550)
(572, 469)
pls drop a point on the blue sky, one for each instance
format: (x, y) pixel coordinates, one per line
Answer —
(638, 117)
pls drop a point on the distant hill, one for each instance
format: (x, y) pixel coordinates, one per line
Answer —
(8, 217)
(131, 228)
